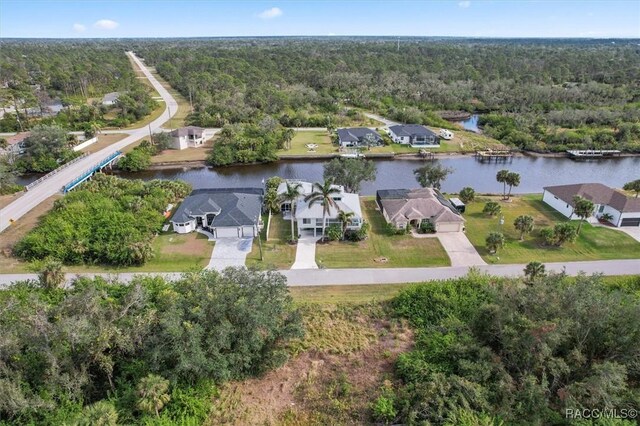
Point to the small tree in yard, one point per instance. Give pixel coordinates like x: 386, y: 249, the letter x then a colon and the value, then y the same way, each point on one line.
x: 524, y: 224
x: 494, y: 241
x: 501, y: 177
x: 634, y: 186
x: 467, y: 195
x: 153, y: 394
x: 583, y: 208
x: 534, y: 270
x: 559, y: 234
x: 344, y: 218
x: 322, y: 194
x: 512, y: 179
x: 334, y: 233
x: 290, y: 195
x: 492, y: 208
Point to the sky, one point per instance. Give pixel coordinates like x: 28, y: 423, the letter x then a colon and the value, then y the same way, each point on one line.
x: 211, y: 18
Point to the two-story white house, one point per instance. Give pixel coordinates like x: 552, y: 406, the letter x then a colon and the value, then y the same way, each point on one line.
x: 310, y: 218
x: 623, y: 210
x: 414, y: 135
x: 187, y: 137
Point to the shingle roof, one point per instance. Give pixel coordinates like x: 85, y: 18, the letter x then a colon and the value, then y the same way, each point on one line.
x: 231, y: 206
x: 418, y: 204
x: 189, y: 130
x: 598, y: 193
x: 411, y: 130
x: 355, y: 134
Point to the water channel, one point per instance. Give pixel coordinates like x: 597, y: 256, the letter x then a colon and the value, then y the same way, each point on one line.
x: 536, y: 172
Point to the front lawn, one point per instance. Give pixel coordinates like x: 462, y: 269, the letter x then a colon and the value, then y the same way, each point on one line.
x: 189, y: 154
x: 276, y: 251
x: 302, y: 138
x: 400, y: 251
x: 593, y: 243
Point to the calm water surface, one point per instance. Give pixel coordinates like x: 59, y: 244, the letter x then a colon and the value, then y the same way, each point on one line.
x: 535, y: 173
x: 471, y: 124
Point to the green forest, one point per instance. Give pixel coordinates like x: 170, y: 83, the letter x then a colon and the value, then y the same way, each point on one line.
x: 546, y: 95
x: 77, y: 74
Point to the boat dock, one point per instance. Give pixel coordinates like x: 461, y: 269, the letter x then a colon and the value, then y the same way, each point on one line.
x: 494, y: 155
x: 592, y: 153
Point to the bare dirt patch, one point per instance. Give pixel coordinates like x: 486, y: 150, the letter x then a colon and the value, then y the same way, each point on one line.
x: 5, y: 200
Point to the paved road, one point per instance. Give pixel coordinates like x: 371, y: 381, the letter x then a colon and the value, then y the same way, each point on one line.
x: 380, y: 118
x: 322, y: 277
x: 41, y: 192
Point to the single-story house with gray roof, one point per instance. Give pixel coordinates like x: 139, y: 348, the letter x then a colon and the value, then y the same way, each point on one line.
x: 224, y: 212
x: 414, y: 135
x: 413, y: 207
x: 624, y: 210
x: 358, y: 136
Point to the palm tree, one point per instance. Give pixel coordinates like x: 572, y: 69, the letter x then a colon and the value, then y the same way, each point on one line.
x: 101, y: 413
x: 534, y: 270
x: 51, y: 275
x: 512, y: 179
x: 344, y: 218
x: 502, y: 178
x: 152, y: 391
x: 494, y: 241
x: 524, y: 224
x: 583, y: 209
x: 322, y: 193
x: 291, y: 195
x: 491, y: 208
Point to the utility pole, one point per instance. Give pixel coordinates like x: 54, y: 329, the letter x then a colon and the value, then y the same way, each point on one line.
x: 150, y: 136
x: 398, y: 49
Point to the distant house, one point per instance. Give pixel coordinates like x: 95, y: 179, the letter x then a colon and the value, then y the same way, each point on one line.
x: 187, y: 137
x: 110, y: 98
x: 413, y: 207
x: 224, y: 212
x: 15, y: 145
x: 624, y: 210
x: 310, y: 218
x: 414, y: 135
x: 358, y: 136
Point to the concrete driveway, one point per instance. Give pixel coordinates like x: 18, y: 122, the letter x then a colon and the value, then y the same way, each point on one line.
x: 306, y: 253
x: 632, y: 231
x: 460, y: 250
x: 229, y: 252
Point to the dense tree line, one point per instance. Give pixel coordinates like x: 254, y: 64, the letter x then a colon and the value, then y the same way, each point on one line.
x: 249, y: 143
x: 515, y: 351
x: 150, y: 351
x: 108, y: 221
x: 78, y: 73
x: 45, y: 149
x: 544, y: 85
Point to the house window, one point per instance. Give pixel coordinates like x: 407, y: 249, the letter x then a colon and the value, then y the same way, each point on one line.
x: 306, y: 221
x: 601, y: 209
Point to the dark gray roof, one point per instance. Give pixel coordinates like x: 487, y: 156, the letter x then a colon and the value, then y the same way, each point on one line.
x: 231, y: 206
x: 111, y: 97
x: 411, y: 130
x: 356, y: 134
x: 392, y: 194
x: 598, y: 193
x: 189, y: 130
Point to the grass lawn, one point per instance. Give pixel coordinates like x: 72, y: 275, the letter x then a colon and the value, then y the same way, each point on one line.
x: 334, y: 294
x: 301, y: 138
x: 189, y: 154
x: 401, y: 251
x: 103, y: 142
x: 277, y: 253
x: 593, y: 243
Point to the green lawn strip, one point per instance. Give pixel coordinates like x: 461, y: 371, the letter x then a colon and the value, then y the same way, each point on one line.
x: 401, y: 251
x: 277, y: 252
x: 334, y: 294
x: 593, y: 243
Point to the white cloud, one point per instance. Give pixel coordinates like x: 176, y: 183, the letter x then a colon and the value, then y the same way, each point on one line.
x: 106, y: 24
x: 79, y: 28
x: 464, y: 4
x: 274, y: 12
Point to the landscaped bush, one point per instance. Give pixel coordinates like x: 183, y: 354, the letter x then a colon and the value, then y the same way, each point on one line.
x: 393, y: 230
x: 427, y: 228
x: 495, y: 349
x: 358, y: 234
x: 105, y: 350
x: 109, y: 221
x: 334, y: 233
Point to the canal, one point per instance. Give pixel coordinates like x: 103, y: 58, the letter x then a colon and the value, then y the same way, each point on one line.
x: 536, y: 172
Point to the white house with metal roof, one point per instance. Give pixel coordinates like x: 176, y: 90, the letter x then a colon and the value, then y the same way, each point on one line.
x: 310, y: 218
x: 224, y: 212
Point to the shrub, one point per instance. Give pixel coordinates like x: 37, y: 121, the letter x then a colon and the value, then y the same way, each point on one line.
x: 383, y: 410
x: 334, y: 233
x: 427, y: 228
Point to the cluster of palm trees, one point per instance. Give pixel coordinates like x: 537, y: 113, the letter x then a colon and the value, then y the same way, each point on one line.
x: 506, y: 177
x: 322, y: 193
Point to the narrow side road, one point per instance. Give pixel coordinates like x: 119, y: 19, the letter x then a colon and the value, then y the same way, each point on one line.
x: 322, y: 277
x: 41, y: 192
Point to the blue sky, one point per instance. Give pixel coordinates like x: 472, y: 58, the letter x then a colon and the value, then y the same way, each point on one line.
x: 154, y: 18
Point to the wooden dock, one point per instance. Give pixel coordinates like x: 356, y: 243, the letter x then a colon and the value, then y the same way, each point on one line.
x: 494, y: 155
x: 586, y: 154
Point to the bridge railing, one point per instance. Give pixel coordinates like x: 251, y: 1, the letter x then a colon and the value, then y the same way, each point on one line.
x: 87, y: 173
x: 54, y: 172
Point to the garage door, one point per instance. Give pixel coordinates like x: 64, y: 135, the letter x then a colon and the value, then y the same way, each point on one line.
x: 247, y: 231
x: 448, y: 227
x: 227, y: 232
x: 630, y: 221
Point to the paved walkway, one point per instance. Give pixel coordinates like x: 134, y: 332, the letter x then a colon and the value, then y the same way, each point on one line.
x: 321, y: 277
x: 229, y: 252
x: 459, y: 248
x: 306, y: 253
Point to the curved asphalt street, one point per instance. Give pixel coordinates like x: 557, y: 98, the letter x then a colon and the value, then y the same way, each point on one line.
x: 49, y: 187
x: 322, y: 277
